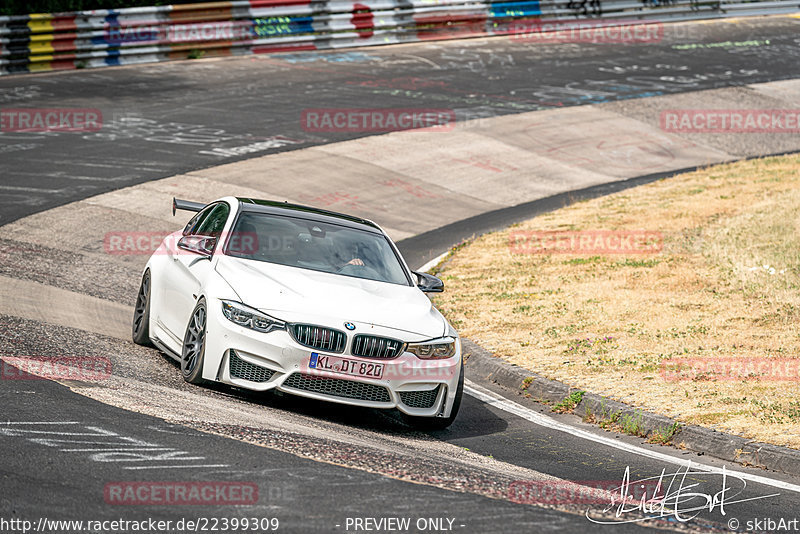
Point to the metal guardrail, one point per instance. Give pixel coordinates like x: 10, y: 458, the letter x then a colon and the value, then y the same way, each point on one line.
x: 88, y: 39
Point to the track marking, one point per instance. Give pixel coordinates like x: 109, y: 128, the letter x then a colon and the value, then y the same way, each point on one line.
x: 58, y: 432
x: 134, y: 449
x: 506, y: 405
x: 123, y: 450
x: 31, y: 189
x: 173, y: 466
x: 39, y: 422
x: 423, y: 59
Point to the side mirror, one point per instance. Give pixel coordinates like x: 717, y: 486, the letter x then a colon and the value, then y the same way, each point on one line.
x: 429, y: 283
x: 198, y: 244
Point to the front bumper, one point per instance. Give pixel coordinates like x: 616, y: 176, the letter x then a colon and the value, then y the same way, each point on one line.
x: 263, y: 361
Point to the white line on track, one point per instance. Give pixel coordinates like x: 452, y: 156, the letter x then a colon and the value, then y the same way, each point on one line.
x: 173, y: 466
x: 39, y: 422
x: 506, y: 405
x: 30, y: 189
x: 56, y: 432
x: 423, y: 59
x: 134, y: 449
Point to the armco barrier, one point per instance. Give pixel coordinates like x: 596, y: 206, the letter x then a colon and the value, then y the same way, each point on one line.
x: 87, y: 39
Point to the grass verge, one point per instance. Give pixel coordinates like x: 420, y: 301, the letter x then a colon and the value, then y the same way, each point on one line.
x: 703, y: 329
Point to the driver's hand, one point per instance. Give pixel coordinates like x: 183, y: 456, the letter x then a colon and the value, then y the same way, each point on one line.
x: 355, y: 261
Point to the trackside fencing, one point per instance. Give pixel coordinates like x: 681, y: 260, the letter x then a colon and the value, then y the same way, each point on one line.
x: 87, y: 39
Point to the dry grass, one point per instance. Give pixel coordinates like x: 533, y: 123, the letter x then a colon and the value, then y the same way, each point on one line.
x: 725, y: 286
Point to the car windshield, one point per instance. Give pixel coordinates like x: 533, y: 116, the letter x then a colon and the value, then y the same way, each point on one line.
x: 306, y: 244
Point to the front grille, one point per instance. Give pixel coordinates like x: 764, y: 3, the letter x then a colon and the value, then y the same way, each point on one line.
x: 248, y: 371
x: 338, y: 387
x: 376, y: 347
x: 419, y: 399
x: 319, y: 337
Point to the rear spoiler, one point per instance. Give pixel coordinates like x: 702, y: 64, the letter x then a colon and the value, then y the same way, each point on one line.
x: 187, y: 205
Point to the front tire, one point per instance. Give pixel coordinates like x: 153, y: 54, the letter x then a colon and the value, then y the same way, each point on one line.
x: 440, y: 423
x: 194, y: 346
x: 140, y: 327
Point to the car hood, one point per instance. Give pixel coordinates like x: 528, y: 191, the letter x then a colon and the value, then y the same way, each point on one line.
x: 302, y: 295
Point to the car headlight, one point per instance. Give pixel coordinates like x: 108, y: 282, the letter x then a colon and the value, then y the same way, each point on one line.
x: 436, y: 349
x: 248, y: 317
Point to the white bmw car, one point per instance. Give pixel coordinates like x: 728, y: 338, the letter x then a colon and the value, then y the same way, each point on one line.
x: 268, y: 295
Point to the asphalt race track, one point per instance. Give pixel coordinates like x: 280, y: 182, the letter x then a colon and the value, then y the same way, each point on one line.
x: 316, y: 465
x: 165, y: 119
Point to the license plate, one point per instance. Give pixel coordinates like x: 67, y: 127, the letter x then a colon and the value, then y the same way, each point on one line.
x: 345, y: 366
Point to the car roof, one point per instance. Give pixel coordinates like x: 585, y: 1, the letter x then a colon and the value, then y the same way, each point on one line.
x: 274, y: 207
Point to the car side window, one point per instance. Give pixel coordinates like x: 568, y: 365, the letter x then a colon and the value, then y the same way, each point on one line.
x: 198, y: 219
x: 215, y: 222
